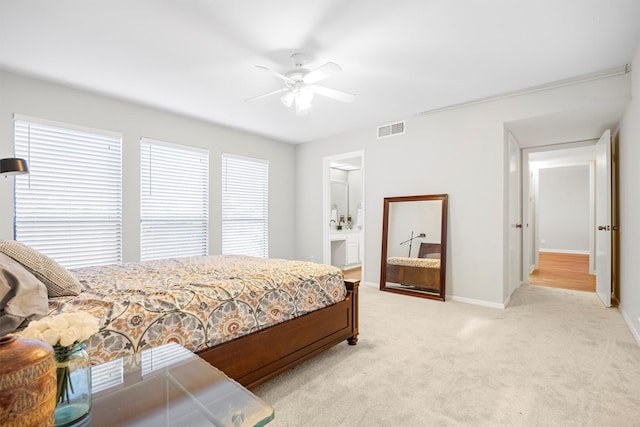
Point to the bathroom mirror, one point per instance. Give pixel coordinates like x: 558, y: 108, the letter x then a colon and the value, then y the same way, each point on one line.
x: 414, y: 245
x: 339, y: 201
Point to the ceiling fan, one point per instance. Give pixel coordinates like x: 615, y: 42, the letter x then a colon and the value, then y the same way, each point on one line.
x: 300, y: 85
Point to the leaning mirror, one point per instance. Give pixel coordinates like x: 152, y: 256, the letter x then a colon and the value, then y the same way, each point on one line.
x: 414, y: 245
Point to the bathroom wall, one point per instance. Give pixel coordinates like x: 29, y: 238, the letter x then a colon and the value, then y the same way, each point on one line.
x: 347, y: 203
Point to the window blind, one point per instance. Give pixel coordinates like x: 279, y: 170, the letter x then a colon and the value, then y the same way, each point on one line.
x: 245, y: 210
x: 69, y: 206
x: 174, y: 197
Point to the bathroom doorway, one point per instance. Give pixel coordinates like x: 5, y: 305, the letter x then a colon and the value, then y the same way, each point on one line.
x: 343, y: 213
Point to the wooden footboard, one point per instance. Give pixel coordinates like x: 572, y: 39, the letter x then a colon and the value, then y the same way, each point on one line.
x: 256, y: 358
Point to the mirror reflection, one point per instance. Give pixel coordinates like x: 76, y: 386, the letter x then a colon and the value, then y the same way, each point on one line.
x: 414, y: 245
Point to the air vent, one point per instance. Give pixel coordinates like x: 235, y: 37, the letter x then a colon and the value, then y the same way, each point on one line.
x: 391, y: 130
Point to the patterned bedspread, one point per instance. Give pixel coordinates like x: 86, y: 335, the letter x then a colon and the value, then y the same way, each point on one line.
x: 414, y: 262
x: 198, y: 302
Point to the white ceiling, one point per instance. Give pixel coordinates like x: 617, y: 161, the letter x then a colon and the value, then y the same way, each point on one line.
x: 399, y: 57
x: 567, y: 157
x: 567, y: 126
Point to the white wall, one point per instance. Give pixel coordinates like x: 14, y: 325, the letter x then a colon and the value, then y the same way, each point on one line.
x: 563, y: 209
x: 629, y: 164
x: 23, y: 95
x: 460, y: 152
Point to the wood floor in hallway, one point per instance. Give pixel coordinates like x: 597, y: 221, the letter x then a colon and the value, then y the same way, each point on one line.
x: 567, y: 271
x: 354, y: 273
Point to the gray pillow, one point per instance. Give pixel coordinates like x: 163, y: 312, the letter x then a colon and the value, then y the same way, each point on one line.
x: 22, y: 296
x: 57, y: 279
x: 431, y: 256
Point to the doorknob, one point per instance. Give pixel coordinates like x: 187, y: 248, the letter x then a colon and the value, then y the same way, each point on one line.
x: 518, y: 225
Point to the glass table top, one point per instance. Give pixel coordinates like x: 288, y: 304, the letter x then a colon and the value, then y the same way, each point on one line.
x: 171, y: 386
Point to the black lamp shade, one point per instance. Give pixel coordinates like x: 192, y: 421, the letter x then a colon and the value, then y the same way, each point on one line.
x: 13, y: 166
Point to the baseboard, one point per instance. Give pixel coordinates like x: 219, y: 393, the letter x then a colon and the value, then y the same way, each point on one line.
x: 476, y: 302
x: 507, y: 301
x: 564, y: 251
x: 454, y: 298
x: 629, y: 322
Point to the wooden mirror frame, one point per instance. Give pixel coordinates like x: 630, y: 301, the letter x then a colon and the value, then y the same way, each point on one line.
x: 426, y: 293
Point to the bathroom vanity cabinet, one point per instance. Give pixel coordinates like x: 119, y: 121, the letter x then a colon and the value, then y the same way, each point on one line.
x: 346, y: 248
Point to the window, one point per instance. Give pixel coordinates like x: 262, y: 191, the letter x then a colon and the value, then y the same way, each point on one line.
x: 245, y: 197
x: 174, y: 199
x: 69, y: 206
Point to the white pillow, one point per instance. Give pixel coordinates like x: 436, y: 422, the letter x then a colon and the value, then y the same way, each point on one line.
x: 57, y: 279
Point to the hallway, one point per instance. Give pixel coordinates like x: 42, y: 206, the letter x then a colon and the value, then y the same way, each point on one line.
x: 562, y: 270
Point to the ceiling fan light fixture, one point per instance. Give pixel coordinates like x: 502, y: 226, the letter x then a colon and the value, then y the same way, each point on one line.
x: 302, y: 109
x: 304, y: 98
x: 287, y: 99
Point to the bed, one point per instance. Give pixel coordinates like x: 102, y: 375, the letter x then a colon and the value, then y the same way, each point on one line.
x: 422, y: 272
x: 252, y: 318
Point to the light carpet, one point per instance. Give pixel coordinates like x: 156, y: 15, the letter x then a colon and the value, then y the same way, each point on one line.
x: 553, y: 357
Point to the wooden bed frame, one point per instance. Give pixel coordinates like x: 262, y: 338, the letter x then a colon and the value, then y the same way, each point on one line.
x: 256, y: 358
x: 426, y: 278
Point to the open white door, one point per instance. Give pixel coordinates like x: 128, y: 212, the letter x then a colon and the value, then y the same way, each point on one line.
x: 515, y: 217
x: 603, y: 218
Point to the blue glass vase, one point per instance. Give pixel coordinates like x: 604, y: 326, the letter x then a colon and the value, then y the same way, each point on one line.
x: 73, y: 374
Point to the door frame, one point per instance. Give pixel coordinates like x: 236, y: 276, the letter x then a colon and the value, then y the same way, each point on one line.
x: 326, y: 205
x: 530, y: 225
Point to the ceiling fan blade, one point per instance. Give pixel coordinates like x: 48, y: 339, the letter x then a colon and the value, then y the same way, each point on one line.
x: 266, y: 94
x: 321, y: 73
x: 335, y: 94
x: 275, y: 73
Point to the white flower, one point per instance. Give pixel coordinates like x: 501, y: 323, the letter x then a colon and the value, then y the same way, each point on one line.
x: 87, y: 331
x: 69, y: 336
x: 63, y: 330
x: 38, y: 325
x: 51, y: 336
x: 58, y: 322
x: 76, y: 320
x: 33, y: 334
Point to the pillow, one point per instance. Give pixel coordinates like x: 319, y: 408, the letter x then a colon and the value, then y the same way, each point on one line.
x: 431, y: 256
x: 57, y: 279
x: 22, y: 296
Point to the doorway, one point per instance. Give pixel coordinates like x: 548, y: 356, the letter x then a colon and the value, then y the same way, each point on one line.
x: 344, y: 213
x: 560, y: 205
